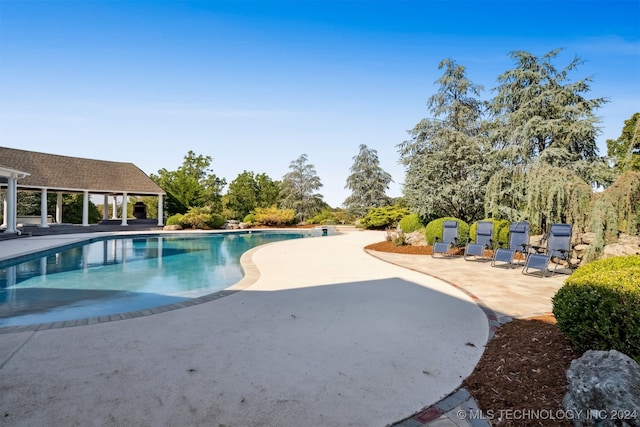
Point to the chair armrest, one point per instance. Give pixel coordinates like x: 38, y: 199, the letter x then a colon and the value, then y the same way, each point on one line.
x: 491, y: 244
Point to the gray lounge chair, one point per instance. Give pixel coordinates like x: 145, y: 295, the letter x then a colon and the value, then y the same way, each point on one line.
x: 518, y: 244
x: 483, y: 241
x: 449, y: 238
x: 558, y: 247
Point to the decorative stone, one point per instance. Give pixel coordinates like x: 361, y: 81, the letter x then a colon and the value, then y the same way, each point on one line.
x: 174, y: 227
x: 231, y: 224
x: 415, y: 239
x: 580, y: 248
x: 620, y: 248
x: 604, y: 390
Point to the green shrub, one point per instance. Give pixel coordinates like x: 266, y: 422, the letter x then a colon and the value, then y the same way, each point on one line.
x: 598, y: 307
x: 329, y: 216
x: 434, y: 229
x: 384, y: 217
x: 274, y: 216
x: 175, y: 219
x: 411, y: 223
x: 500, y: 231
x: 216, y: 221
x: 250, y: 219
x: 202, y: 218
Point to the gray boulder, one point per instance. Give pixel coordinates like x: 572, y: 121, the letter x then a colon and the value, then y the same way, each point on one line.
x: 604, y: 390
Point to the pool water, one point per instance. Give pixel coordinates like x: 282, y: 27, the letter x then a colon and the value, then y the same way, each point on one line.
x: 119, y: 275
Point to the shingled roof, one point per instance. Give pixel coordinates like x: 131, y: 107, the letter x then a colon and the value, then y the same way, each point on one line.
x: 77, y: 174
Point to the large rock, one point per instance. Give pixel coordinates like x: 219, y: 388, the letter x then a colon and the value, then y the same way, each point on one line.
x: 415, y: 239
x: 604, y: 390
x: 174, y: 227
x: 625, y: 245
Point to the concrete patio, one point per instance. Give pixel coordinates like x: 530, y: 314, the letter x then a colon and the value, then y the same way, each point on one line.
x: 322, y: 333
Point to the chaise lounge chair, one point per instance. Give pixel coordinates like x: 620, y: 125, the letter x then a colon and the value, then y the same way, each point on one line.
x: 449, y: 238
x: 558, y: 247
x: 483, y: 241
x: 518, y: 244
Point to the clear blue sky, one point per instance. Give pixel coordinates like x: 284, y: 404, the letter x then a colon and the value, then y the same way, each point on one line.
x: 255, y: 84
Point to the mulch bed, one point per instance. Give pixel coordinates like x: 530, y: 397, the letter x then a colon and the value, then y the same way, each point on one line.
x: 523, y: 370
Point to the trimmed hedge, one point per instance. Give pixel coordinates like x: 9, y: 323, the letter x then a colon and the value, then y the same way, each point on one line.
x: 598, y: 307
x: 410, y: 223
x: 202, y: 218
x: 383, y: 217
x: 250, y: 219
x: 434, y: 229
x: 175, y: 219
x: 274, y: 216
x: 500, y: 231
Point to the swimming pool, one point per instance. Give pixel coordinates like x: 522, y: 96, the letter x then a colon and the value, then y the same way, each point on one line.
x: 115, y: 275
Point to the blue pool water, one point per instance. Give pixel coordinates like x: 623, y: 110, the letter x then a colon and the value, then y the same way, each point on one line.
x: 119, y: 275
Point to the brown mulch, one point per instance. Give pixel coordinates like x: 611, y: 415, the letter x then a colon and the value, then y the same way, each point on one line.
x: 520, y: 379
x: 404, y: 249
x: 522, y: 373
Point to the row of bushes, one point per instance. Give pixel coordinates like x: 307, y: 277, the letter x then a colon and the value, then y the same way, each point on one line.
x: 204, y: 218
x: 433, y: 229
x: 271, y: 216
x: 201, y: 218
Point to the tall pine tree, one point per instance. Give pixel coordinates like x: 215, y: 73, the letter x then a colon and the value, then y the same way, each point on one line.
x: 368, y: 183
x: 298, y: 189
x: 446, y: 159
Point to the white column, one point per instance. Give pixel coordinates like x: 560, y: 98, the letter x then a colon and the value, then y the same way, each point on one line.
x: 160, y: 210
x: 115, y: 207
x: 4, y: 210
x: 43, y: 208
x: 59, y: 207
x: 12, y: 200
x: 85, y: 209
x: 124, y: 209
x: 105, y: 207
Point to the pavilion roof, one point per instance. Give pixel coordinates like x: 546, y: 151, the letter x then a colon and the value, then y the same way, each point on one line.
x: 66, y: 173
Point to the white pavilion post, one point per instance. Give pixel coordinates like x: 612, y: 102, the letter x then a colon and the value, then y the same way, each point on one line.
x: 105, y: 207
x: 43, y: 208
x: 124, y: 209
x: 115, y: 207
x: 4, y: 210
x: 59, y: 207
x: 85, y: 209
x: 160, y: 210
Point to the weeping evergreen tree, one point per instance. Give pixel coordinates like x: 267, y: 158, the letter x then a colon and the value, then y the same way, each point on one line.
x: 447, y: 159
x: 544, y: 132
x: 298, y: 188
x: 615, y: 210
x: 368, y: 183
x: 625, y: 151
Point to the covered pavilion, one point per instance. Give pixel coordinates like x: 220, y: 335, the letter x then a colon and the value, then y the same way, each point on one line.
x: 22, y: 170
